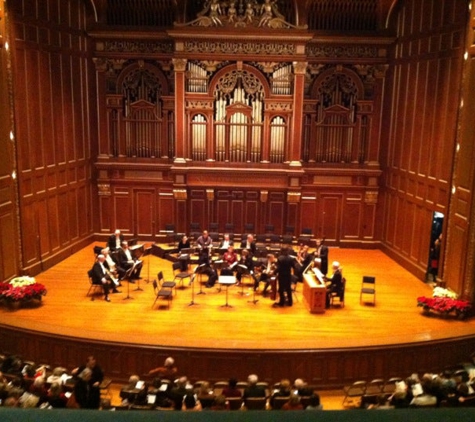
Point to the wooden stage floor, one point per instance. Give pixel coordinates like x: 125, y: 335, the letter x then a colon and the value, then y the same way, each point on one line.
x: 395, y: 319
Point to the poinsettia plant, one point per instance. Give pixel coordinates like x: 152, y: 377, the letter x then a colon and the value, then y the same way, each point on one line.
x: 445, y: 305
x: 22, y: 289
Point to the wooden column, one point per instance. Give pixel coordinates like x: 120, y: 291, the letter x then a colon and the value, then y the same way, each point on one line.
x: 104, y: 149
x: 297, y: 121
x: 179, y: 66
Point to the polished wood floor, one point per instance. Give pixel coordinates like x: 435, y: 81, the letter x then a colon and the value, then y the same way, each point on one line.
x: 394, y: 320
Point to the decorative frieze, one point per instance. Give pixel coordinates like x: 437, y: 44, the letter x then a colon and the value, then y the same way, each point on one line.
x: 234, y: 47
x: 342, y: 51
x: 199, y: 105
x: 142, y: 47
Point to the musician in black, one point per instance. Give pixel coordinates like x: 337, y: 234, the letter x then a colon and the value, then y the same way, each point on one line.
x: 268, y: 271
x: 100, y: 275
x: 322, y: 253
x: 334, y: 283
x: 245, y: 266
x: 285, y: 264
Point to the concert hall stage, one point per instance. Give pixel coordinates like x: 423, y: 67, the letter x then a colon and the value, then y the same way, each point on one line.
x: 209, y: 341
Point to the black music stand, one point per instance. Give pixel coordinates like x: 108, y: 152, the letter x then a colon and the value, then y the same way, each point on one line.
x: 254, y: 300
x: 199, y: 271
x: 128, y: 274
x: 192, y: 282
x: 148, y: 252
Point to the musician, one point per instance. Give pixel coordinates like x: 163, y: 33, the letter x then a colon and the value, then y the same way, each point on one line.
x: 115, y: 240
x: 245, y: 265
x: 230, y: 257
x: 334, y: 283
x: 184, y: 243
x: 100, y: 275
x: 285, y: 263
x: 116, y: 272
x: 304, y: 258
x: 204, y: 244
x: 226, y: 243
x: 322, y: 253
x: 249, y: 244
x: 127, y: 261
x: 268, y: 272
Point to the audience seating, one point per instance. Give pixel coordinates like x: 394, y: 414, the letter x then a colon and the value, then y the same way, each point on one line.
x: 255, y: 403
x: 278, y: 402
x: 234, y: 403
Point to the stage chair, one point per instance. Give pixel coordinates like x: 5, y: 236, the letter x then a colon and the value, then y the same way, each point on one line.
x: 339, y: 296
x: 104, y: 388
x: 354, y: 392
x: 249, y: 228
x: 214, y: 236
x: 165, y: 284
x: 275, y: 239
x: 195, y: 227
x: 161, y: 292
x: 93, y: 288
x: 261, y: 239
x: 170, y: 228
x: 307, y: 231
x: 368, y: 288
x: 390, y: 385
x: 179, y: 274
x: 255, y: 403
x: 229, y: 227
x: 213, y: 227
x: 289, y: 230
x: 374, y: 390
x: 287, y: 239
x: 269, y: 228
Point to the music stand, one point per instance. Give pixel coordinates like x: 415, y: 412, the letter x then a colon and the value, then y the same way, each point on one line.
x: 128, y: 274
x: 254, y: 300
x: 192, y: 282
x: 226, y: 280
x: 147, y: 252
x: 199, y: 271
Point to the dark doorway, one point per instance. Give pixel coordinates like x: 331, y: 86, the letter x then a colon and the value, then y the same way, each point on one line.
x: 435, y: 245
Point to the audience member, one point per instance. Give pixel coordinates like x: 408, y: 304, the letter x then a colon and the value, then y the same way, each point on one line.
x: 253, y: 390
x: 220, y: 403
x: 94, y: 381
x: 56, y: 397
x: 314, y: 403
x: 231, y: 390
x: 168, y: 371
x: 190, y: 401
x: 83, y: 393
x: 302, y: 389
x: 178, y: 392
x: 293, y: 403
x: 282, y: 391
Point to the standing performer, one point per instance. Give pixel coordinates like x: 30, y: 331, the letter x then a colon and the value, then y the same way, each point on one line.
x: 322, y: 253
x: 204, y: 244
x: 285, y: 263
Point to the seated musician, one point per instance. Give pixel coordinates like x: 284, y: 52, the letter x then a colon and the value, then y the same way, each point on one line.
x: 127, y: 261
x: 268, y: 272
x: 334, y: 283
x: 304, y: 258
x: 184, y: 243
x: 117, y: 273
x: 230, y: 257
x: 115, y: 240
x: 226, y: 243
x: 249, y: 244
x: 100, y: 275
x: 245, y: 265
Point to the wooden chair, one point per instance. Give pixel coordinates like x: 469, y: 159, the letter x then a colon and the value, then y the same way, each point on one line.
x: 161, y: 292
x: 219, y: 386
x: 374, y: 390
x: 234, y: 403
x: 279, y: 401
x: 368, y: 288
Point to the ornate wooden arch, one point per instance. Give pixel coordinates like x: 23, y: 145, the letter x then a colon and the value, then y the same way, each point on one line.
x: 338, y: 70
x: 155, y: 70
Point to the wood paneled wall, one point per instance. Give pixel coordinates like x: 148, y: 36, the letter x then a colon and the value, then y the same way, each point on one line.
x: 459, y: 265
x: 9, y: 246
x: 420, y: 125
x: 54, y: 113
x: 325, y: 368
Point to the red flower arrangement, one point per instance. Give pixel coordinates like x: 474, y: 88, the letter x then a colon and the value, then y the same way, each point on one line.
x: 11, y: 293
x: 445, y: 305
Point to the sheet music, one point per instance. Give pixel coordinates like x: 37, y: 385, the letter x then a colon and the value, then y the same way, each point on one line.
x: 318, y: 274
